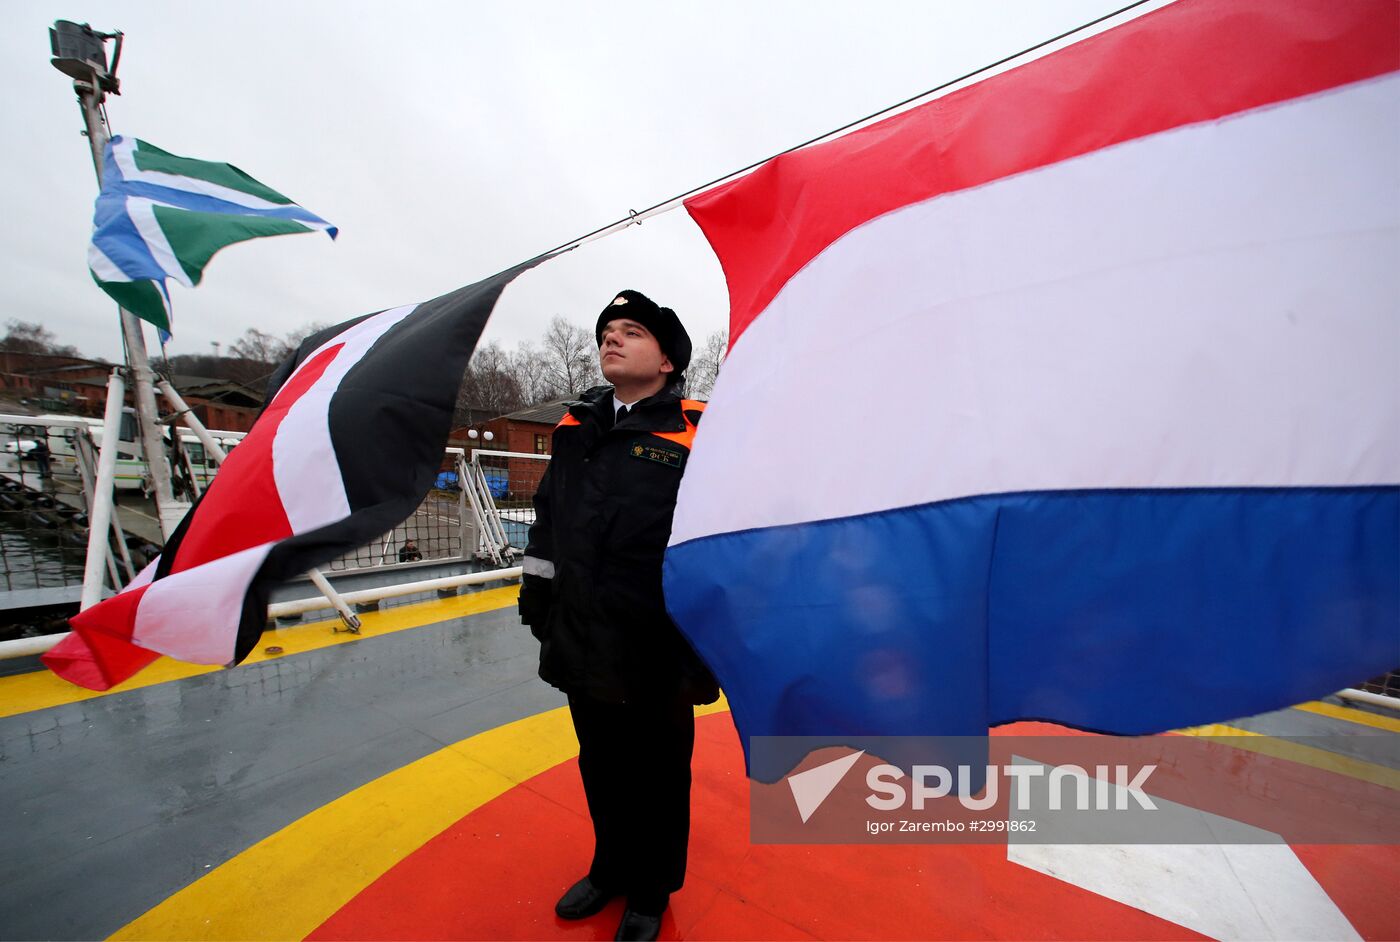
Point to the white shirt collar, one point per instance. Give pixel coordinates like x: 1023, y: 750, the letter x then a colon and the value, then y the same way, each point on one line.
x: 618, y: 404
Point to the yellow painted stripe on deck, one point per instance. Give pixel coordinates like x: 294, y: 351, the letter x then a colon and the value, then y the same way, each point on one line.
x: 41, y: 689
x: 286, y: 885
x: 1296, y: 752
x: 319, y: 863
x: 1389, y: 724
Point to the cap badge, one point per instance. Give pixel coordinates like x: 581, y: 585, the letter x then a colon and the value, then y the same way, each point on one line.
x: 619, y: 300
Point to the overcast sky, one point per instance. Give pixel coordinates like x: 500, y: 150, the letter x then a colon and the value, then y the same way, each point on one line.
x: 451, y: 140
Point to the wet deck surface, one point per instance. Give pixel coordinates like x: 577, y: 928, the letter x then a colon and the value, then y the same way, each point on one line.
x: 420, y: 782
x: 120, y: 800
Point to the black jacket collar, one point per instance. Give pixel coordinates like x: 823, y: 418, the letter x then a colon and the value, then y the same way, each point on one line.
x: 658, y: 413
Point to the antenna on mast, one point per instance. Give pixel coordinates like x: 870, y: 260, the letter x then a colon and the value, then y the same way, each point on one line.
x: 80, y: 53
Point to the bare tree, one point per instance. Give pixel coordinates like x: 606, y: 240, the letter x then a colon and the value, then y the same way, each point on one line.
x: 252, y: 373
x: 528, y: 366
x: 261, y: 347
x: 570, y: 357
x: 489, y: 383
x: 704, y: 366
x: 27, y: 337
x: 294, y: 338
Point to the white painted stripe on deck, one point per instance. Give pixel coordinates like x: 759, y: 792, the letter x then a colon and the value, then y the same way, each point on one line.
x: 1229, y: 891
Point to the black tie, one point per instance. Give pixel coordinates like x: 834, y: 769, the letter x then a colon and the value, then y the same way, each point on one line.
x: 621, y: 414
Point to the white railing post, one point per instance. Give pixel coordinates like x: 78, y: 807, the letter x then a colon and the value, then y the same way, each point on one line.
x: 86, y: 460
x: 100, y: 511
x: 342, y: 608
x: 488, y: 537
x: 85, y: 475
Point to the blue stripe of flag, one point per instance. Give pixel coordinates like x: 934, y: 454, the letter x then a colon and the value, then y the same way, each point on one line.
x: 203, y: 203
x: 118, y: 238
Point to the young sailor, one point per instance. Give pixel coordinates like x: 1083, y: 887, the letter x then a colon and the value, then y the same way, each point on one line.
x: 592, y: 596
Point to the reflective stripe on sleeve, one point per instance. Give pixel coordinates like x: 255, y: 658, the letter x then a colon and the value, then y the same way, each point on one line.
x: 534, y: 566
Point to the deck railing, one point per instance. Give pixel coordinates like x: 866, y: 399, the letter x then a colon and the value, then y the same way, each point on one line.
x: 499, y: 488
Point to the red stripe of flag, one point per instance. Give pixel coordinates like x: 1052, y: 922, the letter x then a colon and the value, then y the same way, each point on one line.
x: 94, y: 655
x: 243, y: 507
x: 1193, y: 61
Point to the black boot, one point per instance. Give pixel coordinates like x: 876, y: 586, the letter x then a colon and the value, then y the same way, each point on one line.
x: 582, y: 900
x: 638, y: 927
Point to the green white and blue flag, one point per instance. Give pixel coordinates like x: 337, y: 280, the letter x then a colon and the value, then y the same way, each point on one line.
x: 161, y: 216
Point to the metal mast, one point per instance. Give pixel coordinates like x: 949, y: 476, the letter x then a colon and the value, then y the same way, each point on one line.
x: 80, y: 53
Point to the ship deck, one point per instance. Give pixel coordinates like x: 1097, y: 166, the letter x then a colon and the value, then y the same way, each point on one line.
x: 419, y: 782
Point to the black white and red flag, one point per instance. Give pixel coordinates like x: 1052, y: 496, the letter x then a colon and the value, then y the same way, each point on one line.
x: 347, y: 446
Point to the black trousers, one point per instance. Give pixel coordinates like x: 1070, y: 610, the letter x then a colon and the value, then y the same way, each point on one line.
x: 635, y: 763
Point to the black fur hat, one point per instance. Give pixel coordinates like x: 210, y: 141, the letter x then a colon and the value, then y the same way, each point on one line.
x: 663, y: 323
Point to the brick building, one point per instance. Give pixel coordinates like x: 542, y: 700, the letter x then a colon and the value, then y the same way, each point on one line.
x: 526, y: 431
x: 220, y: 403
x: 529, y: 430
x: 53, y: 383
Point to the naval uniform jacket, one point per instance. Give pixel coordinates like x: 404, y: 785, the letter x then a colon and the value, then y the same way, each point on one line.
x: 592, y: 587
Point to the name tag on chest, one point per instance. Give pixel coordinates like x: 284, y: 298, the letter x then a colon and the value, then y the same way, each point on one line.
x: 659, y: 454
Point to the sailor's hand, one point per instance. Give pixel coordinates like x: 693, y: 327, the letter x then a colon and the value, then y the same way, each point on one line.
x: 534, y: 602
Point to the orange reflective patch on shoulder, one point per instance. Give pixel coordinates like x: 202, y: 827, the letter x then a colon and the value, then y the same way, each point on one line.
x: 688, y: 436
x: 692, y: 409
x: 680, y: 438
x: 568, y: 419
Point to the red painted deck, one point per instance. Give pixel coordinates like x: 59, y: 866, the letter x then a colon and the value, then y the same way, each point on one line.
x: 496, y: 874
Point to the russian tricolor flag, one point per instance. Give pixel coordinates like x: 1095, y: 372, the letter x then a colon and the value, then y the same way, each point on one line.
x: 1072, y: 395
